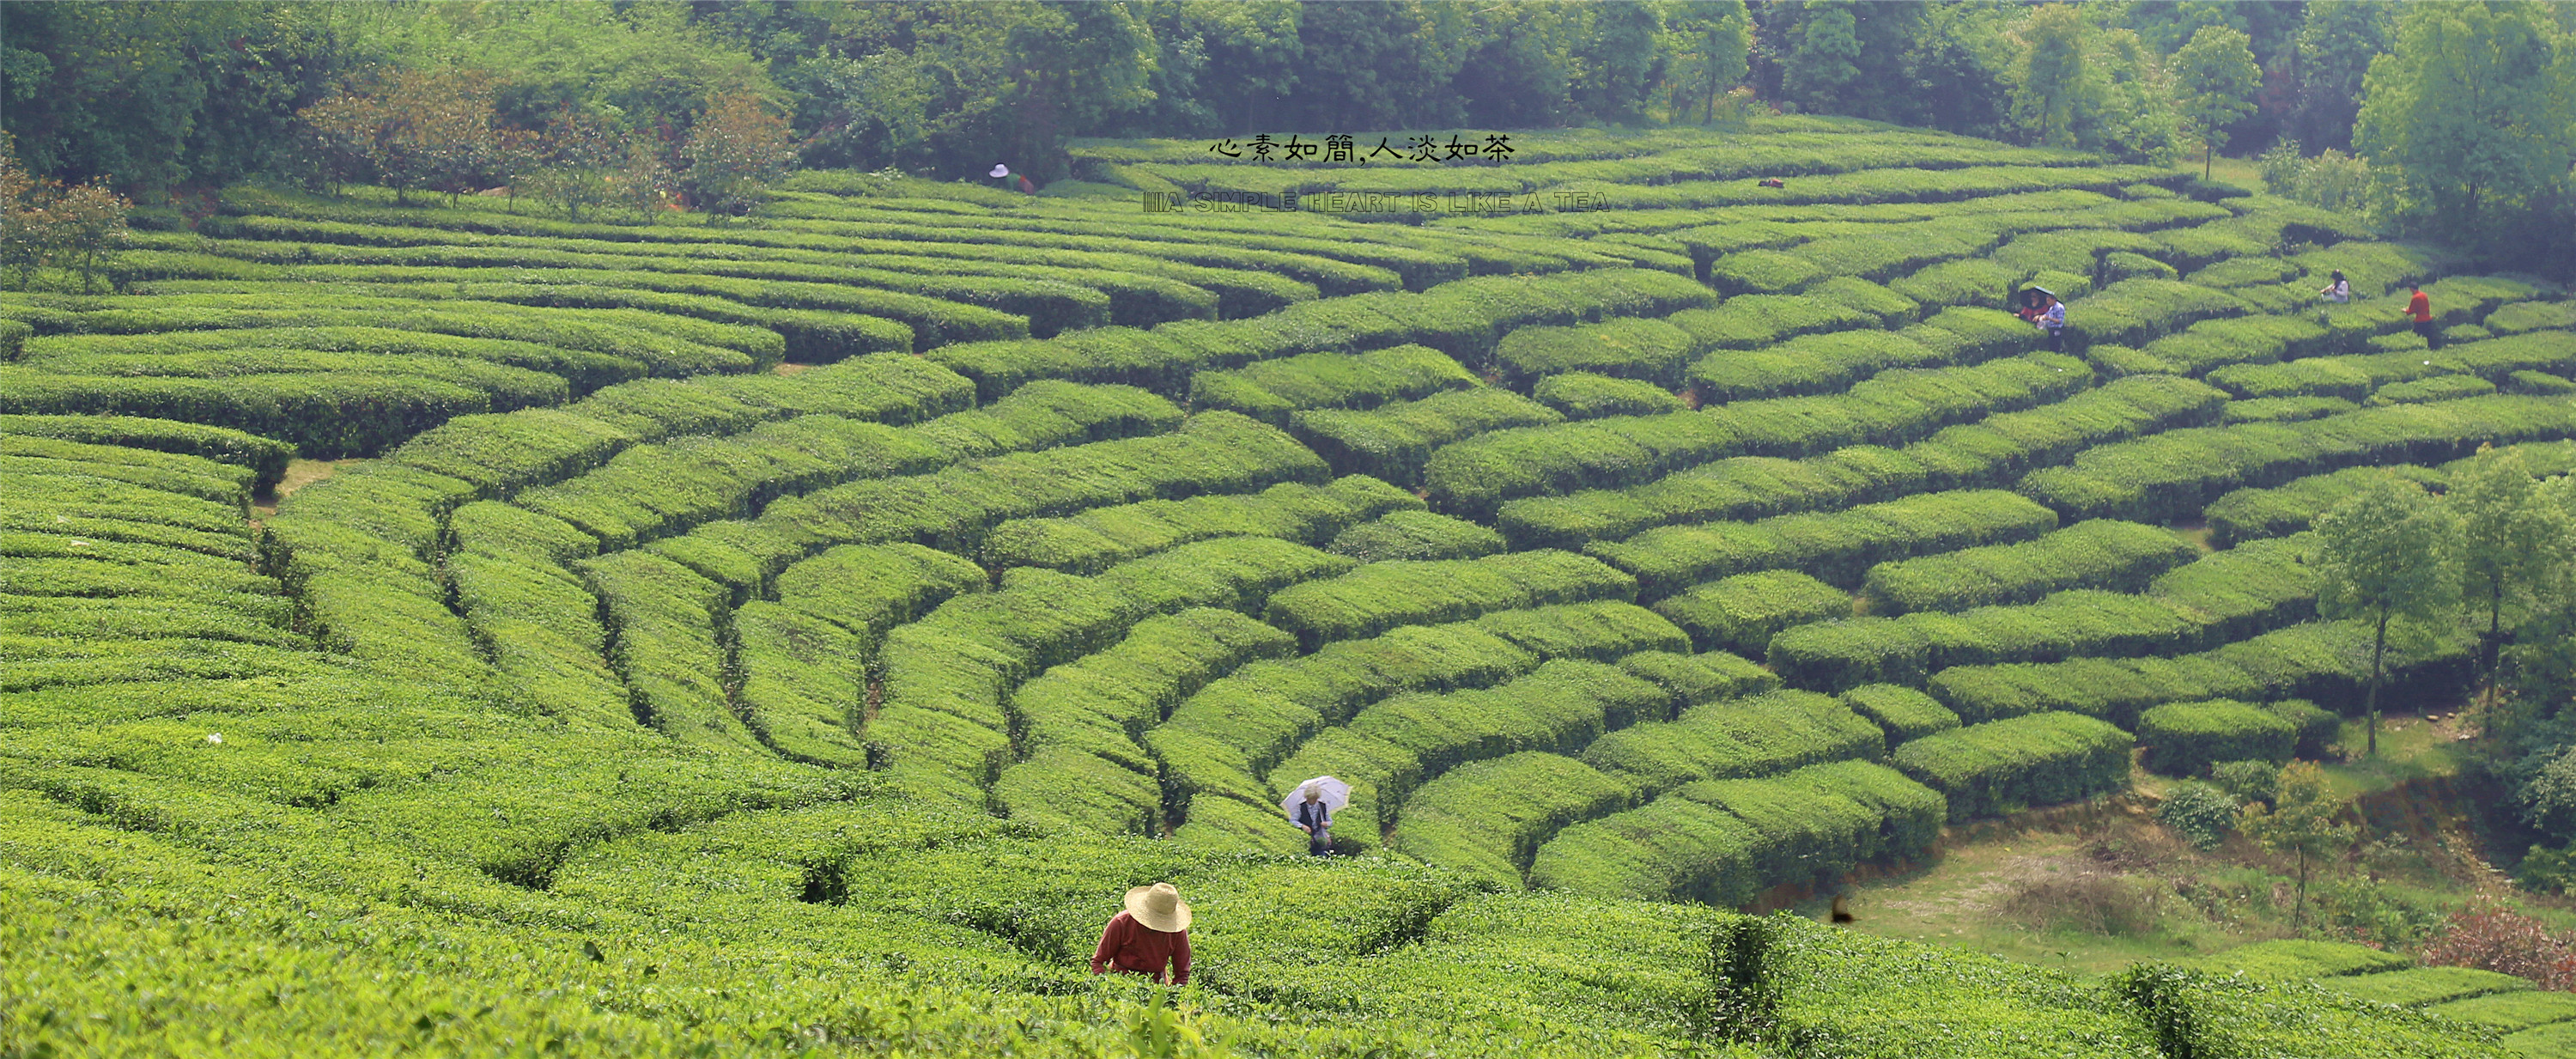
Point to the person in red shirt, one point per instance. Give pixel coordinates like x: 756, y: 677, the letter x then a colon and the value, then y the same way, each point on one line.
x: 2420, y: 309
x: 1154, y: 932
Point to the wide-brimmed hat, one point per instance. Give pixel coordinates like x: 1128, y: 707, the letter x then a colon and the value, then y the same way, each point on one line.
x: 1158, y: 907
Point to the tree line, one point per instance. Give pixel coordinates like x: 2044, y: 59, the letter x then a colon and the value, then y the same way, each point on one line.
x: 2449, y: 118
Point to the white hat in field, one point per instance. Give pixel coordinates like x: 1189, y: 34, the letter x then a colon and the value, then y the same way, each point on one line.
x: 999, y: 171
x: 1332, y: 792
x: 1158, y: 907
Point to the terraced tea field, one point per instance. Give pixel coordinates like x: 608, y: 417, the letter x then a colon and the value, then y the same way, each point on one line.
x: 1706, y: 539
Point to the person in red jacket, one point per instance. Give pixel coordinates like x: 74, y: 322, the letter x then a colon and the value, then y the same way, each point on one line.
x: 2419, y: 308
x: 1152, y: 934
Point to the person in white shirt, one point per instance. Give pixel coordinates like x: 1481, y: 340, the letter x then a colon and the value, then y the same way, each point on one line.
x: 2338, y: 291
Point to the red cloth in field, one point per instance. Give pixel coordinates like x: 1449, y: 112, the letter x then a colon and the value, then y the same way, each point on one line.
x: 1135, y: 948
x: 2419, y: 306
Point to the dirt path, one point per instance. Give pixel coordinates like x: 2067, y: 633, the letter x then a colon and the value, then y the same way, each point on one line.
x: 299, y: 473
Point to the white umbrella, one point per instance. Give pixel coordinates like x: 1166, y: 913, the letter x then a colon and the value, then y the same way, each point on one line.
x: 1336, y: 794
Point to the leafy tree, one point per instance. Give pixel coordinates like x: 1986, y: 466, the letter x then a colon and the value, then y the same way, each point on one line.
x: 2541, y: 662
x: 1955, y: 69
x: 1519, y: 67
x: 2337, y: 39
x: 2214, y: 79
x: 2510, y: 541
x: 2469, y: 114
x: 1615, y: 60
x: 2491, y: 937
x: 2203, y: 814
x: 2300, y: 823
x: 43, y: 223
x: 1379, y: 65
x: 1840, y: 56
x: 2050, y: 88
x: 734, y: 149
x: 1705, y: 43
x: 2384, y: 555
x: 428, y: 129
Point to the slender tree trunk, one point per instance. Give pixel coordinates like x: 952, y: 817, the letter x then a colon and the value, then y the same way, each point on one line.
x: 2208, y: 156
x: 2370, y: 699
x: 2493, y: 646
x: 2299, y: 911
x: 1708, y: 107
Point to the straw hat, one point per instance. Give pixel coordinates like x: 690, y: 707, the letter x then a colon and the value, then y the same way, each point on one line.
x: 1158, y: 907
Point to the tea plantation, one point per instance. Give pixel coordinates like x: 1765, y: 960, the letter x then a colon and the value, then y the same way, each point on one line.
x: 792, y: 634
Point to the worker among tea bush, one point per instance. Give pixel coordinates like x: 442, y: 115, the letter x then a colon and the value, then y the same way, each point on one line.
x: 2340, y: 290
x: 2419, y: 309
x: 1151, y: 935
x: 2052, y: 319
x: 1311, y: 807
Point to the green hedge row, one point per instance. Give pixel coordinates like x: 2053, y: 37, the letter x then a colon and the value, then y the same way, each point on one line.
x: 1836, y: 547
x: 1900, y: 405
x: 1472, y: 477
x: 665, y: 345
x: 943, y: 723
x: 1242, y: 277
x: 1645, y: 350
x: 2437, y: 388
x: 2171, y: 476
x: 2133, y: 312
x: 2185, y: 738
x: 1219, y: 744
x: 1722, y: 842
x: 1742, y: 613
x: 502, y: 454
x: 2316, y: 661
x: 1836, y: 655
x: 1583, y: 395
x: 1487, y: 820
x: 1383, y: 595
x: 584, y: 370
x: 1904, y: 713
x: 2226, y: 345
x: 1971, y: 281
x: 2357, y: 377
x: 326, y: 415
x: 1478, y: 477
x: 1394, y: 442
x: 2283, y: 409
x: 1977, y: 453
x: 2254, y: 514
x: 1462, y: 319
x: 1079, y: 722
x: 2076, y: 252
x: 1093, y: 540
x: 668, y: 629
x: 1392, y: 747
x: 2001, y: 767
x: 659, y: 489
x: 266, y: 457
x: 1693, y: 679
x: 1752, y: 321
x: 2510, y: 320
x: 2102, y: 553
x: 1271, y: 390
x: 2224, y: 596
x: 1735, y: 738
x: 1416, y: 535
x: 954, y: 508
x: 535, y: 618
x: 1807, y: 364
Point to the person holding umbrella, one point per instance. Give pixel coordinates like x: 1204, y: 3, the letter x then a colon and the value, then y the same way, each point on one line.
x: 2052, y: 318
x: 1153, y: 934
x: 1311, y: 809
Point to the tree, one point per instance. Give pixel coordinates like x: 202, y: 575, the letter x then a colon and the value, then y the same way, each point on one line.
x: 2383, y: 555
x: 43, y: 223
x: 734, y: 150
x: 2300, y: 823
x: 2049, y: 86
x: 2540, y: 664
x: 2214, y: 80
x: 2510, y: 541
x: 2470, y: 115
x: 428, y: 129
x: 2337, y: 40
x: 1615, y: 62
x: 1705, y: 43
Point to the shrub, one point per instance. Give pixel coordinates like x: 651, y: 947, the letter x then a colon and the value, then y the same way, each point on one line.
x: 1094, y: 540
x: 1835, y: 548
x: 1394, y: 442
x: 2003, y: 766
x: 1733, y: 738
x: 2185, y: 738
x: 1271, y: 390
x: 1416, y: 536
x: 1582, y: 395
x: 2103, y: 554
x: 1487, y: 820
x: 1904, y: 713
x: 1741, y: 613
x: 1807, y: 364
x: 1383, y: 595
x: 1645, y: 350
x: 2248, y: 781
x: 266, y: 457
x: 1474, y: 476
x: 2253, y: 514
